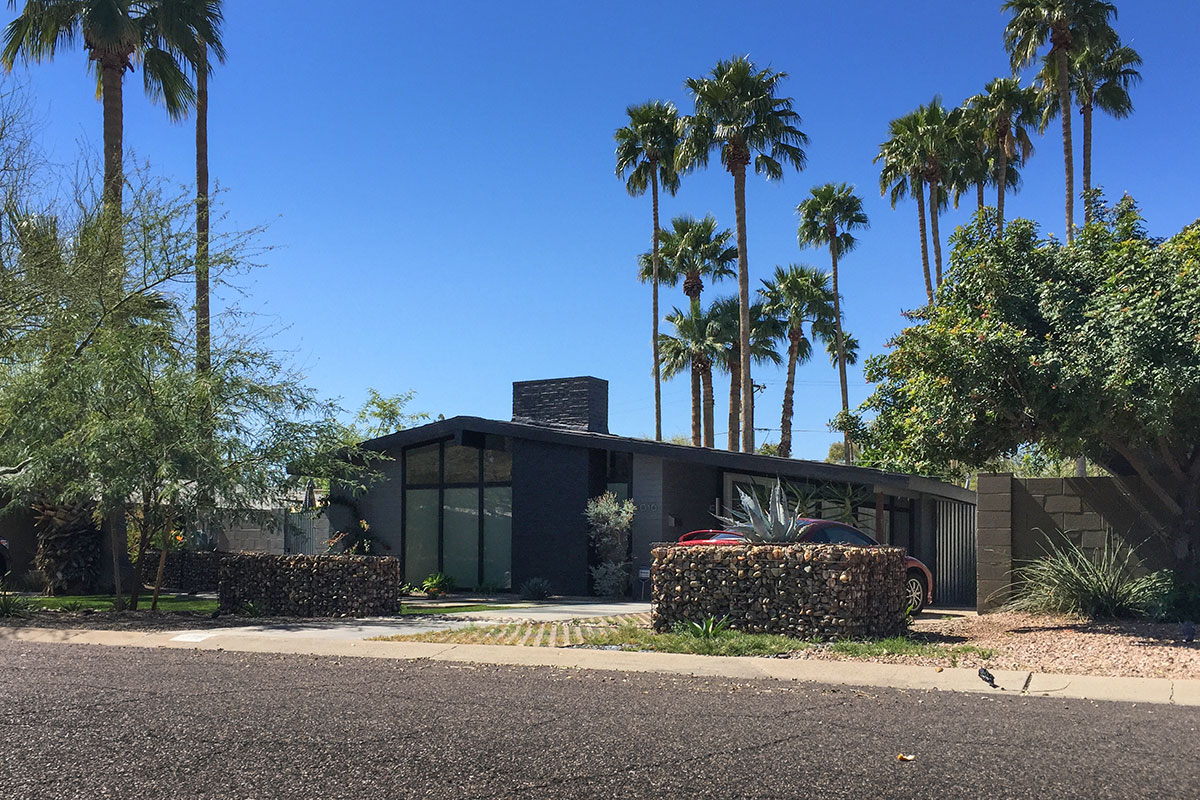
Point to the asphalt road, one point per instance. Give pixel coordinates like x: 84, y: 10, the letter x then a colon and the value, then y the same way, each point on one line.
x: 86, y: 721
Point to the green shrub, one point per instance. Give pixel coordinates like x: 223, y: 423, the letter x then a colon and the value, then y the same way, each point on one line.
x: 610, y: 579
x: 1101, y: 583
x: 14, y: 605
x: 1180, y: 603
x: 708, y: 628
x: 406, y: 589
x: 437, y: 584
x: 610, y: 521
x: 535, y: 589
x: 776, y: 523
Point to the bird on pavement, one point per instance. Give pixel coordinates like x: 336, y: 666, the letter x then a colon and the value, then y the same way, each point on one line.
x: 987, y: 678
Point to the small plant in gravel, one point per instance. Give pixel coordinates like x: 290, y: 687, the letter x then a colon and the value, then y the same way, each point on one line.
x: 708, y: 628
x: 438, y: 584
x: 1104, y: 583
x: 535, y: 589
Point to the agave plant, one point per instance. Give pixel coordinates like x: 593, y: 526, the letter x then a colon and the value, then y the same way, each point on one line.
x: 776, y: 523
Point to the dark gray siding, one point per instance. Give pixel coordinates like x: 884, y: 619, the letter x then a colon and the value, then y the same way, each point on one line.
x: 689, y: 491
x: 550, y: 491
x: 382, y: 508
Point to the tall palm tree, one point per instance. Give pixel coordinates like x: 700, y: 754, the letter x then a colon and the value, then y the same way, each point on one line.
x: 766, y: 329
x: 937, y: 130
x: 692, y: 250
x: 1009, y: 112
x: 1068, y: 25
x: 739, y: 114
x: 696, y: 346
x: 903, y: 174
x: 1101, y: 77
x: 646, y: 152
x: 116, y: 34
x: 801, y: 297
x: 827, y: 218
x: 972, y: 158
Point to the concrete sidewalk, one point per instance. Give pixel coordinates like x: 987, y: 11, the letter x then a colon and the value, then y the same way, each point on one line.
x: 847, y: 673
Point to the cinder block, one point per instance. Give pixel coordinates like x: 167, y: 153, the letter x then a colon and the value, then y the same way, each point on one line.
x: 1087, y: 521
x: 1063, y: 504
x: 991, y: 594
x: 993, y: 537
x: 993, y: 501
x: 992, y: 519
x: 1094, y: 540
x: 1043, y: 486
x: 994, y: 483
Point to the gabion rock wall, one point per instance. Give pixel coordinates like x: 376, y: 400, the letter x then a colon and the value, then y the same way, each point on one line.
x: 803, y: 590
x: 185, y: 570
x: 310, y: 586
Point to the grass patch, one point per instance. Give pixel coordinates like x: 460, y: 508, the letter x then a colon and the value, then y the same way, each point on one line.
x: 725, y: 643
x: 904, y: 646
x: 104, y: 602
x: 409, y: 608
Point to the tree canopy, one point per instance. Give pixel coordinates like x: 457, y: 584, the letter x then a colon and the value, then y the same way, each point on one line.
x: 1086, y: 349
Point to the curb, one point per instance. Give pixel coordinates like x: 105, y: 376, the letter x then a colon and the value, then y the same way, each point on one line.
x: 840, y: 673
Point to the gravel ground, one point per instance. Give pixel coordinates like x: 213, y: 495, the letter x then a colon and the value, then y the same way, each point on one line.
x: 1056, y: 644
x: 80, y: 721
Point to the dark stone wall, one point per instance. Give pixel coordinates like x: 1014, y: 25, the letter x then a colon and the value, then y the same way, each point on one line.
x: 310, y: 586
x: 579, y: 403
x: 550, y: 487
x: 185, y: 570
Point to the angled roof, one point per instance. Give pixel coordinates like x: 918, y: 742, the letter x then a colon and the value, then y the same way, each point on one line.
x: 724, y: 459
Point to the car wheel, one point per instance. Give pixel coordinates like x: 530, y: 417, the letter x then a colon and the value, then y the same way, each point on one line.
x: 915, y: 592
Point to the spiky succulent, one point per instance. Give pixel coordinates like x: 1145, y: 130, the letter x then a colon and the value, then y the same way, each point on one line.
x: 776, y: 523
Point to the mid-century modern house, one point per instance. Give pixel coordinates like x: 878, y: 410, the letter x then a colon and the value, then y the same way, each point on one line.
x: 494, y: 503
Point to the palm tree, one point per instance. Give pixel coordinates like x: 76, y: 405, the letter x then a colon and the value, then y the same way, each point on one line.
x: 691, y: 250
x: 1101, y: 77
x: 694, y: 347
x: 1068, y: 25
x: 937, y: 131
x: 1009, y: 111
x: 116, y: 34
x: 646, y: 151
x: 739, y: 114
x: 765, y: 330
x: 827, y: 218
x: 903, y: 173
x: 801, y: 296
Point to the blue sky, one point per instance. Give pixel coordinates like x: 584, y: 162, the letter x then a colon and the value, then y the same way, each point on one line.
x: 438, y: 178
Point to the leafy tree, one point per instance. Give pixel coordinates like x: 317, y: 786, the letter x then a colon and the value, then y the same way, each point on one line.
x: 1008, y: 111
x: 801, y: 297
x: 827, y: 219
x: 383, y: 414
x: 694, y: 347
x: 1088, y: 348
x: 739, y: 114
x: 646, y: 153
x: 1068, y: 25
x: 1101, y: 77
x: 766, y: 329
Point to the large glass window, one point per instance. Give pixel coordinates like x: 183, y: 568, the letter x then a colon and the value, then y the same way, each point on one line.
x: 420, y: 534
x: 446, y: 485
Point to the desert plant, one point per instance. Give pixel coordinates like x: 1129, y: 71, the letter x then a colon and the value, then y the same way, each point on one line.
x: 72, y: 607
x: 535, y: 589
x: 14, y: 605
x: 437, y: 584
x: 1102, y: 583
x: 610, y: 579
x: 708, y: 628
x: 611, y: 521
x: 776, y: 523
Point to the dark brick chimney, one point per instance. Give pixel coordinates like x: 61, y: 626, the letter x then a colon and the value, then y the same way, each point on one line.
x: 577, y: 403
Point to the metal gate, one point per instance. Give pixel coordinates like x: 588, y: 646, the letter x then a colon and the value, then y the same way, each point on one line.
x: 299, y: 534
x: 954, y: 573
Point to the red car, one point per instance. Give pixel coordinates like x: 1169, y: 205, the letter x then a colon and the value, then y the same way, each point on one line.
x: 918, y: 584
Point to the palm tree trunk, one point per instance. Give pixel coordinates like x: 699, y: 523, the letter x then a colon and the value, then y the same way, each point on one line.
x: 695, y: 406
x: 739, y: 203
x: 841, y: 341
x: 979, y: 195
x: 735, y: 398
x: 112, y: 70
x: 785, y: 421
x: 654, y: 305
x: 203, y: 327
x: 920, y: 193
x: 933, y: 230
x: 1001, y: 187
x: 706, y: 377
x: 1064, y: 100
x: 1087, y: 164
